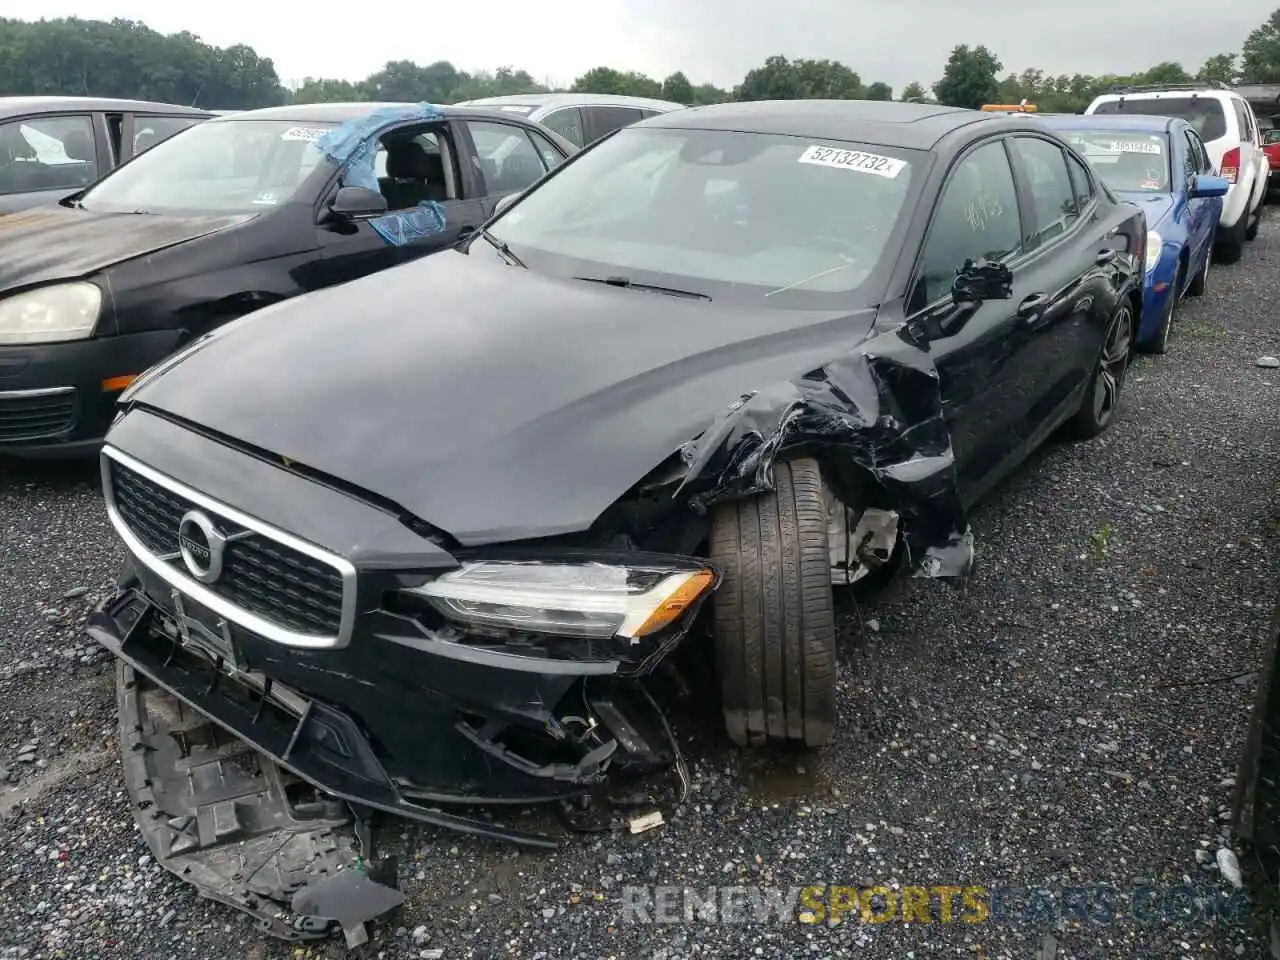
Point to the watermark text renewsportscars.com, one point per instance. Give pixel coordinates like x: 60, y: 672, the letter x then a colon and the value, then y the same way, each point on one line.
x: 1100, y: 904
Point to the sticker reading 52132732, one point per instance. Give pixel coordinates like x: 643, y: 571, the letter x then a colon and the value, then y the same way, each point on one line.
x: 853, y: 160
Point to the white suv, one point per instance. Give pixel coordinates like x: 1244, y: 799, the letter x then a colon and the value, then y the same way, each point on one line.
x: 1226, y: 124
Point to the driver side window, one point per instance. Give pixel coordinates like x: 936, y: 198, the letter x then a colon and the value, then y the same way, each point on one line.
x: 976, y: 217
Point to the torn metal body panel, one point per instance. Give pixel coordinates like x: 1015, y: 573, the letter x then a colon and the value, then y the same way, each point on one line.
x: 223, y: 817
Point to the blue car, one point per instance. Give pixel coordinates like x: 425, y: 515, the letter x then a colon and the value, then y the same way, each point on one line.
x: 1159, y: 164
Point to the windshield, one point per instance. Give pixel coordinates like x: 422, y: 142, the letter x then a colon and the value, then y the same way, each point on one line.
x: 1127, y: 162
x: 720, y: 214
x: 1203, y: 113
x: 217, y: 167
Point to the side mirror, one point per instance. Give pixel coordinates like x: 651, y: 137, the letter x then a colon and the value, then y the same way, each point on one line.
x: 505, y: 202
x: 1204, y: 186
x: 358, y: 203
x: 979, y: 281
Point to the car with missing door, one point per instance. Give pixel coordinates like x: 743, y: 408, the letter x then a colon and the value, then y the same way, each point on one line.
x: 706, y: 372
x: 53, y: 146
x: 226, y: 217
x: 580, y: 118
x: 1225, y: 123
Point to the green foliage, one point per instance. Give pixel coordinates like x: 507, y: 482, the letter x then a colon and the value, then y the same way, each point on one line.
x: 969, y: 79
x: 124, y: 58
x: 608, y: 80
x: 914, y: 91
x: 783, y: 79
x: 1260, y: 58
x: 677, y: 89
x: 1220, y: 67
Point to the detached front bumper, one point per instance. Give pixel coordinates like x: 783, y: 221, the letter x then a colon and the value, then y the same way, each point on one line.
x: 333, y: 748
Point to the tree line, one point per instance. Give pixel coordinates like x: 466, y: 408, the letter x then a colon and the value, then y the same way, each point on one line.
x: 124, y: 58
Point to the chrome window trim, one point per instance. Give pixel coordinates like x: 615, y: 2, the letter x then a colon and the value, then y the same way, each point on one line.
x: 202, y: 594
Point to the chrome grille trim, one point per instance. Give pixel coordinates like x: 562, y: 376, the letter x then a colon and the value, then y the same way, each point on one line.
x: 202, y: 594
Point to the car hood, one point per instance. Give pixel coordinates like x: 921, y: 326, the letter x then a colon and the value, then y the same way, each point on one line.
x: 1156, y: 206
x: 61, y: 243
x: 490, y: 401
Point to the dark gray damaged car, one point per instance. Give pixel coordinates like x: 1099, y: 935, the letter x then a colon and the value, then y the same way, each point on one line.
x: 417, y: 541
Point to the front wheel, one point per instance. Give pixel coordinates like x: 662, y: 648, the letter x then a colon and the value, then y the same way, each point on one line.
x: 1160, y: 342
x: 774, y: 614
x: 1102, y: 398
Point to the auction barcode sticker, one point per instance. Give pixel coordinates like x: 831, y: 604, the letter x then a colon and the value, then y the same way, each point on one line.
x: 1135, y: 146
x: 853, y: 160
x: 306, y: 134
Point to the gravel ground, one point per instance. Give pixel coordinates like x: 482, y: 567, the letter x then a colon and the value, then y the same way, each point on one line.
x: 1073, y: 719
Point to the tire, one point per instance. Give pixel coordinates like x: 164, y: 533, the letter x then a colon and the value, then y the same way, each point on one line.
x: 1230, y: 245
x: 774, y: 614
x: 1107, y: 382
x: 1160, y: 342
x: 1200, y: 284
x: 1251, y: 232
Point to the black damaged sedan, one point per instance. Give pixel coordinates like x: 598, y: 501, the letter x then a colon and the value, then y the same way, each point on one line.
x: 421, y: 537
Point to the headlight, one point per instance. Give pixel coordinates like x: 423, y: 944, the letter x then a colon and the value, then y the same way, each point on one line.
x: 66, y: 311
x: 597, y: 600
x: 1155, y: 246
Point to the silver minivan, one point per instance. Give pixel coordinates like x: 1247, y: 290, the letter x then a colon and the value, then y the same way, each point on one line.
x: 580, y: 118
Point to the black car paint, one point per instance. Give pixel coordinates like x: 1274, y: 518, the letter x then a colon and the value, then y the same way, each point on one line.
x: 175, y: 278
x: 525, y: 405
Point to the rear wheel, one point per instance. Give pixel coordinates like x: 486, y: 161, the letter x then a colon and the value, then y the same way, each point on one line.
x: 1251, y: 232
x: 774, y: 615
x: 1230, y: 243
x: 1102, y: 398
x: 1201, y: 282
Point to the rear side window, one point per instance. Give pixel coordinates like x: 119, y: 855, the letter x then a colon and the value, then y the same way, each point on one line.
x: 1203, y: 113
x: 1051, y: 187
x: 1244, y: 119
x: 1080, y: 182
x: 603, y: 120
x: 567, y: 123
x: 148, y: 131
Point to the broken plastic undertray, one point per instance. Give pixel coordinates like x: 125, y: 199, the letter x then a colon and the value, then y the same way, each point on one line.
x: 226, y: 819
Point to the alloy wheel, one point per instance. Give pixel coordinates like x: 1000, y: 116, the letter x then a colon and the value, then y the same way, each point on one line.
x: 1112, y: 365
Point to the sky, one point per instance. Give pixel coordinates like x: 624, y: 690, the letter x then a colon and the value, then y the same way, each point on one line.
x: 715, y: 41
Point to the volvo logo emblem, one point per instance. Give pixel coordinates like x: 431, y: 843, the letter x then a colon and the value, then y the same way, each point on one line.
x: 201, y: 546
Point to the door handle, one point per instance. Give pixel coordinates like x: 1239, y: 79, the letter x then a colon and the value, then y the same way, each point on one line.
x: 1033, y: 307
x: 1105, y: 257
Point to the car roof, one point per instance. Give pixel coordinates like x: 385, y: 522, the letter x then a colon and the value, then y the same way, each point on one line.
x: 915, y: 126
x: 342, y: 112
x: 22, y: 106
x: 573, y: 100
x: 1136, y: 122
x: 1174, y: 93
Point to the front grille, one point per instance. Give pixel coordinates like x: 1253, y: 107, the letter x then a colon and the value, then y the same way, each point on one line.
x: 260, y: 575
x: 33, y: 414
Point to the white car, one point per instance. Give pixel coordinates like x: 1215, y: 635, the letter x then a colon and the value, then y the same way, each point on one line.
x: 580, y: 118
x: 1226, y: 124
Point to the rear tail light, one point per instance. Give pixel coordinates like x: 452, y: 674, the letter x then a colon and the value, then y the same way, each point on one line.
x: 1231, y: 164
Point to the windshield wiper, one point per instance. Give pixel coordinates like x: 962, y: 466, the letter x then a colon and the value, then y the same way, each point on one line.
x: 504, y: 251
x: 628, y: 284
